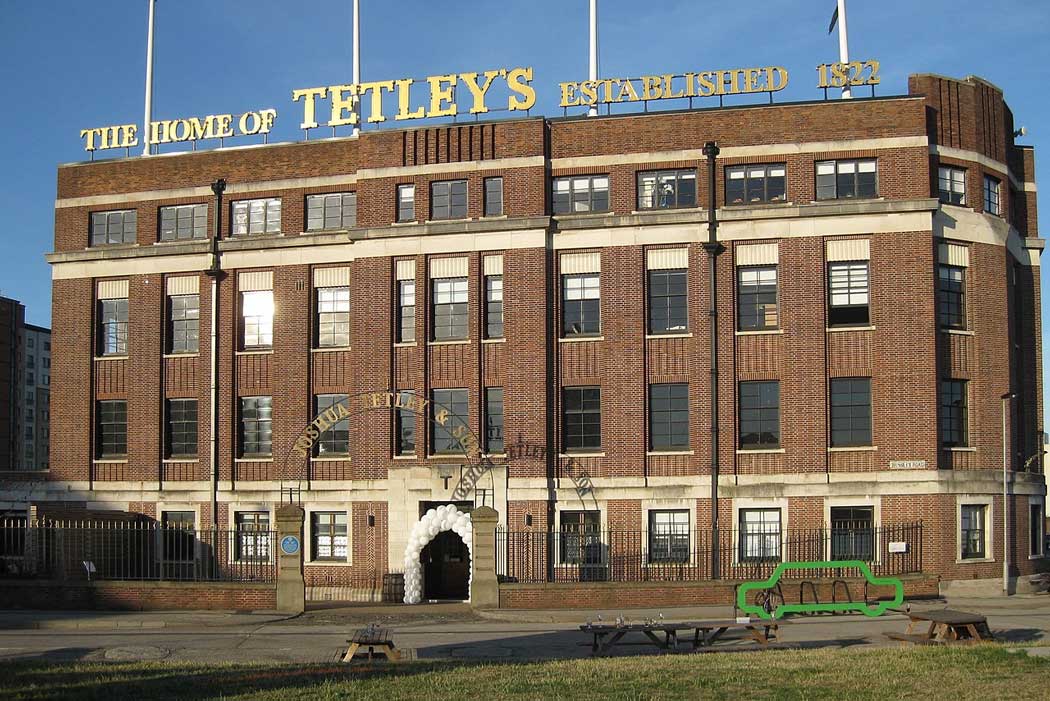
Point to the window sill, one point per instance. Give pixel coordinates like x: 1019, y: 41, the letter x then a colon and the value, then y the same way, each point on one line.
x: 494, y: 455
x: 406, y: 457
x: 111, y: 246
x: 582, y: 215
x: 582, y: 455
x: 180, y: 461
x: 334, y: 458
x: 841, y: 329
x: 254, y: 352
x: 493, y: 340
x: 854, y: 449
x: 176, y: 242
x: 325, y: 232
x: 580, y: 339
x: 654, y: 210
x: 764, y: 332
x: 491, y: 217
x: 961, y: 449
x: 654, y: 453
x: 958, y: 332
x: 760, y: 451
x: 181, y: 355
x: 687, y: 334
x: 447, y: 221
x: 328, y: 563
x: 760, y: 204
x: 460, y: 342
x: 260, y: 235
x: 973, y: 560
x: 407, y: 222
x: 1037, y: 557
x: 110, y: 461
x: 406, y: 344
x: 330, y: 350
x: 259, y: 459
x: 111, y: 357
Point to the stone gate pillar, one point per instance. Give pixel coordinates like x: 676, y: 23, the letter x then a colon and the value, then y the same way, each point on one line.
x: 291, y: 587
x: 484, y: 588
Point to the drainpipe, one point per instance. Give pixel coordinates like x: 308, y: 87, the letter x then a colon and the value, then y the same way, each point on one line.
x: 713, y: 249
x: 215, y: 272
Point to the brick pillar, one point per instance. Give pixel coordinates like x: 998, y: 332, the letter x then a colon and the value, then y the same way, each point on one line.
x: 484, y: 589
x: 291, y: 587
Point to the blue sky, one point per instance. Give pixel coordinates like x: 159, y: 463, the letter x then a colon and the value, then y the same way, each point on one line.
x: 69, y: 65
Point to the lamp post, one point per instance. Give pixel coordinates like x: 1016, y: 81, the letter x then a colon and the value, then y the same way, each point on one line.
x: 1006, y: 504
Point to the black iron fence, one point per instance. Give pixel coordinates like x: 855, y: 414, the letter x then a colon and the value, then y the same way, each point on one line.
x: 134, y: 551
x: 686, y: 556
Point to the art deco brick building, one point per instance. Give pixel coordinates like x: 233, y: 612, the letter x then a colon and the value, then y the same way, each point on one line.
x: 546, y: 282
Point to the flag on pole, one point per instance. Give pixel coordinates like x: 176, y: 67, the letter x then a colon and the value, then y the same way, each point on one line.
x: 834, y: 20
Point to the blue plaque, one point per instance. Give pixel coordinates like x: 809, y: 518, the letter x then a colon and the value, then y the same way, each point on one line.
x: 290, y: 545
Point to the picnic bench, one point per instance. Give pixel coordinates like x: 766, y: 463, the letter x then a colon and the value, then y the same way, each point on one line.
x: 942, y: 627
x: 377, y: 642
x: 665, y: 635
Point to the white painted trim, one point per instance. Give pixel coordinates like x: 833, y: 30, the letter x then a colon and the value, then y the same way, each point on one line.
x: 308, y: 543
x: 988, y: 501
x: 876, y: 516
x: 981, y: 159
x: 743, y: 503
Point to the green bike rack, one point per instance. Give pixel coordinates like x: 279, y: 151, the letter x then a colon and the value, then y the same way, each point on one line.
x: 859, y: 606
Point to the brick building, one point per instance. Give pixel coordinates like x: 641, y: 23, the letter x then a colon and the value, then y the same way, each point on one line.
x: 546, y: 283
x: 25, y: 388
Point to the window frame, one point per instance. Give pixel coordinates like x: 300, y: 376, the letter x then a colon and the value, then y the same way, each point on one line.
x: 837, y: 175
x: 177, y: 415
x: 444, y: 200
x: 951, y: 297
x: 111, y: 413
x: 113, y: 327
x: 763, y: 409
x: 347, y: 211
x: 578, y: 539
x: 406, y: 203
x: 323, y: 402
x: 953, y: 417
x: 993, y: 195
x: 262, y: 323
x: 582, y: 306
x: 765, y: 535
x: 673, y: 553
x: 263, y: 426
x: 488, y: 188
x: 494, y: 429
x: 450, y: 320
x: 452, y: 399
x: 249, y: 546
x: 335, y: 525
x: 952, y: 177
x: 1036, y: 529
x: 861, y: 548
x: 494, y: 326
x: 850, y: 291
x: 198, y: 222
x: 664, y: 414
x: 128, y: 225
x: 849, y: 411
x: 750, y: 296
x: 583, y: 444
x: 679, y: 175
x: 271, y: 212
x: 965, y: 534
x: 183, y: 325
x: 334, y: 318
x: 405, y: 422
x: 658, y: 303
x: 748, y: 188
x: 571, y: 197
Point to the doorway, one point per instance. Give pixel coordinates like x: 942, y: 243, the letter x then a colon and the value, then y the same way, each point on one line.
x: 446, y: 567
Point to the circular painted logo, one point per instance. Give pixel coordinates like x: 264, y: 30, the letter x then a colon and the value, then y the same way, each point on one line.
x: 290, y: 545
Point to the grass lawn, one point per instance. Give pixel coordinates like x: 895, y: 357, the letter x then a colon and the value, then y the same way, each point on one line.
x: 982, y: 672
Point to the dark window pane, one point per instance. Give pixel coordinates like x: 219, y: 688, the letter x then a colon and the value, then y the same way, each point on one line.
x: 850, y: 411
x: 444, y: 438
x: 669, y: 416
x: 759, y: 415
x: 581, y: 418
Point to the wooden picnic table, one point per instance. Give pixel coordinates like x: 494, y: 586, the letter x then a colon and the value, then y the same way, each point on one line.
x: 944, y: 626
x: 705, y: 633
x: 374, y: 640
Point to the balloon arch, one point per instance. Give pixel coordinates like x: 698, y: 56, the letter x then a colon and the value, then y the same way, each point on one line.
x: 436, y: 520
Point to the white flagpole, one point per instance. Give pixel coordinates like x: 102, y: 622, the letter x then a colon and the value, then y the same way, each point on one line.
x: 357, y: 64
x: 843, y: 46
x: 149, y: 82
x: 593, y: 75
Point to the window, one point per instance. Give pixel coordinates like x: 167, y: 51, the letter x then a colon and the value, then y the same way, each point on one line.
x: 494, y: 420
x: 30, y: 379
x: 848, y: 293
x: 759, y: 538
x: 668, y: 536
x: 581, y: 538
x: 47, y: 345
x: 253, y: 536
x: 113, y: 326
x: 1035, y: 529
x: 182, y: 428
x: 405, y: 425
x: 406, y: 311
x: 406, y: 203
x: 669, y: 417
x: 450, y: 308
x: 448, y: 200
x: 328, y: 529
x: 588, y: 193
x: 178, y: 536
x: 31, y: 362
x: 256, y: 431
x: 493, y: 306
x: 184, y: 323
x: 991, y: 195
x: 759, y: 415
x: 455, y: 401
x: 493, y: 197
x: 951, y: 185
x: 667, y: 189
x: 853, y: 533
x: 850, y: 411
x: 112, y: 440
x: 334, y: 440
x: 47, y: 362
x: 332, y: 212
x: 582, y: 418
x: 838, y: 180
x: 972, y: 530
x: 108, y: 228
x: 757, y: 298
x: 756, y: 184
x: 184, y: 222
x: 951, y: 296
x: 581, y: 304
x: 257, y: 216
x: 333, y: 317
x: 257, y: 319
x: 953, y: 413
x: 668, y: 305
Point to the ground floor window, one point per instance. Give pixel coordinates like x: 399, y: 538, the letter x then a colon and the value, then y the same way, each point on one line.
x: 581, y: 542
x: 328, y: 529
x: 853, y: 533
x: 759, y: 537
x: 669, y: 536
x: 253, y: 535
x: 178, y: 535
x: 972, y: 530
x: 1035, y: 529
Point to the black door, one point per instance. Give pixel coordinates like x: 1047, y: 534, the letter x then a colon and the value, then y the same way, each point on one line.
x: 446, y: 567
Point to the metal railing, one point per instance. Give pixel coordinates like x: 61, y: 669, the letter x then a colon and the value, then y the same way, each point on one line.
x: 685, y: 556
x: 134, y: 551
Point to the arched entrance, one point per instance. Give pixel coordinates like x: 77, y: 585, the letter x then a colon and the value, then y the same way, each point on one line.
x: 445, y: 523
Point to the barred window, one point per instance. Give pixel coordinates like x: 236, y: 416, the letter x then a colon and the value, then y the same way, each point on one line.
x: 581, y: 304
x: 972, y: 530
x: 850, y: 411
x: 112, y: 429
x: 848, y: 293
x: 261, y: 216
x: 494, y: 420
x: 448, y: 200
x: 847, y: 179
x: 667, y: 189
x: 582, y: 418
x: 578, y: 194
x: 108, y: 228
x: 668, y: 536
x: 406, y: 203
x: 253, y: 536
x: 759, y: 535
x: 406, y: 311
x: 257, y: 319
x: 493, y: 306
x: 756, y: 184
x: 951, y: 185
x: 328, y: 531
x: 450, y: 308
x: 333, y: 317
x: 182, y: 428
x: 179, y: 536
x: 256, y: 427
x: 853, y: 533
x: 668, y: 302
x: 493, y: 197
x: 757, y: 298
x: 953, y: 413
x: 334, y: 440
x: 405, y: 425
x: 184, y: 222
x: 456, y: 402
x: 184, y: 323
x: 669, y: 416
x: 581, y: 538
x: 759, y: 415
x: 992, y: 191
x: 951, y: 296
x: 331, y: 212
x: 113, y: 326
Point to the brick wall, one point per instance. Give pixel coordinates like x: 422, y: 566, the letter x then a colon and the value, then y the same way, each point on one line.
x: 138, y: 596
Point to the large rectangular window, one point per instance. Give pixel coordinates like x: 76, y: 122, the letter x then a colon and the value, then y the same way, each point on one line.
x: 406, y: 203
x: 261, y: 216
x: 450, y: 308
x: 581, y: 538
x: 992, y: 192
x: 457, y: 403
x: 493, y: 306
x: 331, y: 212
x: 581, y: 304
x: 493, y: 197
x: 257, y: 320
x: 582, y: 418
x: 184, y: 313
x: 849, y: 293
x: 184, y: 222
x: 667, y: 189
x: 850, y: 411
x: 405, y: 425
x: 1035, y: 530
x: 253, y: 536
x: 108, y: 228
x: 494, y: 420
x: 182, y: 428
x: 448, y: 200
x: 759, y: 415
x: 256, y: 427
x: 328, y: 533
x: 112, y: 439
x: 951, y: 296
x: 668, y: 302
x: 757, y: 298
x: 113, y: 326
x: 406, y: 311
x: 756, y: 184
x: 334, y: 440
x: 179, y: 541
x: 333, y: 317
x: 954, y: 418
x: 972, y: 531
x: 581, y: 194
x: 951, y: 185
x: 847, y: 179
x: 669, y: 416
x: 853, y: 533
x: 759, y: 536
x: 668, y: 536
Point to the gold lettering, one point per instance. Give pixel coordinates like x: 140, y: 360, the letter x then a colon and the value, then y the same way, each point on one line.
x: 308, y: 95
x: 441, y: 93
x: 459, y: 431
x: 199, y: 129
x: 441, y: 416
x: 706, y: 84
x: 343, y: 411
x: 518, y: 81
x: 607, y: 88
x: 222, y: 125
x: 627, y: 89
x: 651, y: 88
x: 313, y: 433
x: 776, y: 78
x: 181, y: 130
x: 404, y: 88
x: 375, y: 109
x: 690, y: 85
x: 377, y: 399
x: 267, y: 117
x: 668, y: 92
x: 589, y: 91
x: 568, y: 95
x: 256, y: 123
x: 478, y: 91
x: 130, y: 136
x: 343, y: 103
x: 89, y: 135
x: 302, y: 447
